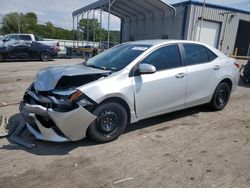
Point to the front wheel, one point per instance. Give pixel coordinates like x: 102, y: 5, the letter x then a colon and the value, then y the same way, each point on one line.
x: 221, y: 96
x: 45, y: 56
x: 111, y: 121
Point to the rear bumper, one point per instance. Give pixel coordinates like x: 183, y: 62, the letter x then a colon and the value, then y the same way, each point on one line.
x: 49, y: 125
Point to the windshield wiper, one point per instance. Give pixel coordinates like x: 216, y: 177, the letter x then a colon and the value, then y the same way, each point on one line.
x: 97, y: 67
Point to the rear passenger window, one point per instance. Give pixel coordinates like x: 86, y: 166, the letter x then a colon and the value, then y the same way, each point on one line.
x: 211, y: 56
x: 25, y: 37
x: 197, y: 54
x: 164, y: 58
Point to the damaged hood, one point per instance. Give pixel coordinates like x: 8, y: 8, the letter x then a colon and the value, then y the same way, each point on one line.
x: 48, y: 78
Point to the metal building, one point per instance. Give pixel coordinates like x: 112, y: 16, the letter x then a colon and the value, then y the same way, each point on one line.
x: 140, y: 19
x: 227, y: 29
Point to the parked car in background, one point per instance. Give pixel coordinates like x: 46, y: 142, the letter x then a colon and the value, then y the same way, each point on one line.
x: 15, y: 47
x: 125, y: 84
x: 32, y: 38
x: 104, y: 45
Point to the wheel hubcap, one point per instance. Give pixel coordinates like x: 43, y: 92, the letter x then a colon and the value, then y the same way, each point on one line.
x: 45, y: 57
x: 222, y: 97
x: 107, y: 122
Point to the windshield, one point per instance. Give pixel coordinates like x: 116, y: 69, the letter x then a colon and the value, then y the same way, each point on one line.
x: 118, y: 57
x: 3, y: 37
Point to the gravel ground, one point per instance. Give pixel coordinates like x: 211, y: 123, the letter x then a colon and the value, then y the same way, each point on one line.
x: 189, y: 148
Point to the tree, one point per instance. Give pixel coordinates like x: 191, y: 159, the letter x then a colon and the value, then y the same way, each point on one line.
x: 94, y: 26
x: 10, y: 23
x: 29, y: 24
x: 87, y: 29
x: 50, y: 30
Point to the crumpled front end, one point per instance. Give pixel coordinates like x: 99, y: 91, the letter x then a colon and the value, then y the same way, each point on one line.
x: 52, y: 117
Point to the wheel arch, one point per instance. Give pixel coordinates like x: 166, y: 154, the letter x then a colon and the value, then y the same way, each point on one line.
x: 228, y: 81
x: 121, y: 102
x: 45, y: 51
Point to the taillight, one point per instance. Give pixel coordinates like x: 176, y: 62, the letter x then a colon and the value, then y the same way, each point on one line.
x: 237, y: 65
x: 55, y: 48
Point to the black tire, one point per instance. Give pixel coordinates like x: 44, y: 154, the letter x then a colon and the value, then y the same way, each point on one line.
x: 221, y: 97
x: 45, y: 56
x: 111, y: 122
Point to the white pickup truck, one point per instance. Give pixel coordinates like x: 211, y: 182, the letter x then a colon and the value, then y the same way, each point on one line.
x: 30, y: 38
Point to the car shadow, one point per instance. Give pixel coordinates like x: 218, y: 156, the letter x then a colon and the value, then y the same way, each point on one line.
x: 51, y: 148
x: 167, y: 117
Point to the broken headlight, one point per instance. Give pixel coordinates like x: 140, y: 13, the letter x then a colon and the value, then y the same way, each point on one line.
x: 70, y: 99
x: 81, y: 99
x: 75, y: 96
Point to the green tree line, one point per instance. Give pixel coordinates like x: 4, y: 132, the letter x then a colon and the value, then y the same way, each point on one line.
x: 29, y: 24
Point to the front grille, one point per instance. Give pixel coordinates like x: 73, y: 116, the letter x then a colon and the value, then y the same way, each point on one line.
x: 45, y: 121
x: 30, y: 100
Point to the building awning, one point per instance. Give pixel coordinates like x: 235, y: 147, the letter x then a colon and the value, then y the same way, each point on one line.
x: 129, y: 9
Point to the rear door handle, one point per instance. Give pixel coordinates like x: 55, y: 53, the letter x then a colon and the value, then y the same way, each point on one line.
x: 180, y: 75
x: 217, y: 67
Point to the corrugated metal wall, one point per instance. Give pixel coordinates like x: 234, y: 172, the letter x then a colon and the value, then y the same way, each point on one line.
x: 155, y: 27
x: 183, y: 25
x: 213, y: 14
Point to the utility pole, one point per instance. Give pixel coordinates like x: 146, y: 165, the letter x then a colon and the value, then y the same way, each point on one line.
x: 88, y: 27
x: 111, y: 2
x: 202, y: 18
x: 18, y: 24
x: 101, y: 25
x: 73, y: 32
x: 109, y: 23
x: 94, y: 28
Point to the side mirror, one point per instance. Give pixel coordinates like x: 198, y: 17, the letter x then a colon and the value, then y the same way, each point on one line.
x: 5, y: 40
x: 146, y: 69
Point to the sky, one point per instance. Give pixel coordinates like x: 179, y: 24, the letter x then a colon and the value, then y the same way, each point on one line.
x: 59, y: 12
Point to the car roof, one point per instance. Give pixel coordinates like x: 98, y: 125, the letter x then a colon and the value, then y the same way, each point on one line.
x: 161, y: 41
x: 16, y: 34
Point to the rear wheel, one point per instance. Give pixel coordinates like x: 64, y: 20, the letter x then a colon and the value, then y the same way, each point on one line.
x: 111, y: 121
x: 221, y: 96
x: 45, y: 56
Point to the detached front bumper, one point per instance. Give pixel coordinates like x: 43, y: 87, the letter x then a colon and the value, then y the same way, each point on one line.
x: 51, y: 125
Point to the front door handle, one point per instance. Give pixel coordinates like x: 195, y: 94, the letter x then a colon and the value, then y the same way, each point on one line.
x: 180, y: 75
x: 217, y: 67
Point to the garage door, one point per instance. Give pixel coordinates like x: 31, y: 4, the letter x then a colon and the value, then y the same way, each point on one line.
x: 209, y: 34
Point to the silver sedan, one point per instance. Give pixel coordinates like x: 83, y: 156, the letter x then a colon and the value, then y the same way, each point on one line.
x: 125, y: 84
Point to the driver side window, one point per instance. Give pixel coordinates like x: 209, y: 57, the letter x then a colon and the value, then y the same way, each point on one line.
x: 166, y: 57
x: 12, y: 39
